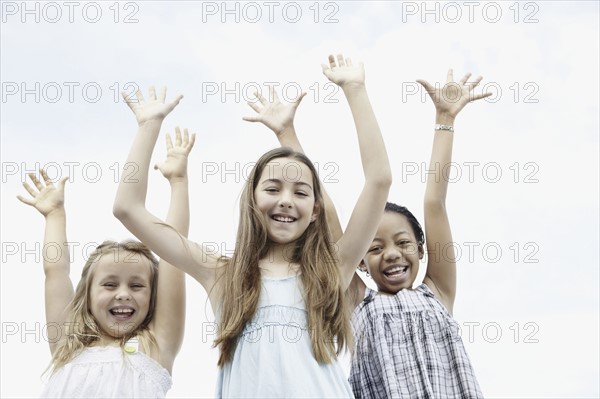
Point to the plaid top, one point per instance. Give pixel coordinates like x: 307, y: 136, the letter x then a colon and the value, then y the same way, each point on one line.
x: 408, y: 346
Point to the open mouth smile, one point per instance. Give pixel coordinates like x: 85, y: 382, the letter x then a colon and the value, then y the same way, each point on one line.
x: 122, y: 312
x: 283, y: 219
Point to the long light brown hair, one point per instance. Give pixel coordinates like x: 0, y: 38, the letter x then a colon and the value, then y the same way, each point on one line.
x: 81, y: 329
x: 328, y: 319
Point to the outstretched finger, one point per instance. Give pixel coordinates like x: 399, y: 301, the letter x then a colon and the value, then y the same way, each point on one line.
x: 254, y: 106
x: 480, y: 96
x: 163, y: 94
x: 326, y: 71
x: 35, y: 181
x: 475, y: 82
x: 128, y: 100
x: 331, y: 61
x: 177, y: 137
x: 139, y: 96
x: 254, y: 118
x: 152, y: 93
x: 30, y: 190
x: 27, y: 201
x: 46, y: 178
x: 262, y: 100
x: 192, y: 141
x: 340, y: 60
x: 297, y: 101
x: 428, y: 87
x: 273, y: 95
x: 465, y: 78
x: 169, y: 142
x: 450, y: 76
x: 62, y: 182
x: 175, y: 101
x: 186, y: 137
x: 349, y: 62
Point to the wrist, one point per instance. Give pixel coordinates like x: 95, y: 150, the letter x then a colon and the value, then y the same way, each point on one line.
x: 287, y: 130
x: 176, y: 180
x: 352, y: 87
x: 149, y: 123
x: 443, y: 118
x: 56, y: 213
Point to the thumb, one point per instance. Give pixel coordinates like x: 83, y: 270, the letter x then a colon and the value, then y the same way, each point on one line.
x: 428, y: 87
x: 299, y: 99
x: 62, y: 182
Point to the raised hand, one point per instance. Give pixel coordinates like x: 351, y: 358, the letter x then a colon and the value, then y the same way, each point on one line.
x: 453, y: 96
x: 343, y: 73
x: 153, y: 109
x: 46, y: 197
x: 274, y: 114
x: 175, y: 166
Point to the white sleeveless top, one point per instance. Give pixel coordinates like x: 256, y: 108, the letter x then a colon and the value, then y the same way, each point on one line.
x: 109, y: 372
x: 273, y: 357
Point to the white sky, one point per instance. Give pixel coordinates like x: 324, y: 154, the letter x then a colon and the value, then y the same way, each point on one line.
x: 528, y: 236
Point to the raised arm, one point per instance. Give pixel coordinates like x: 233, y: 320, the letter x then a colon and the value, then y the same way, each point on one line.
x: 448, y: 101
x: 130, y: 207
x: 279, y: 117
x: 168, y: 323
x: 369, y: 208
x: 49, y: 201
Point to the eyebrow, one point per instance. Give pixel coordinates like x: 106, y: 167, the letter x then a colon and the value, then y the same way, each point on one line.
x: 116, y: 277
x: 401, y: 232
x: 297, y: 183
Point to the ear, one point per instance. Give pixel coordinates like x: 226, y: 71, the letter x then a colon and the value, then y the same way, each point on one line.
x: 362, y: 267
x: 421, y: 250
x: 316, y: 213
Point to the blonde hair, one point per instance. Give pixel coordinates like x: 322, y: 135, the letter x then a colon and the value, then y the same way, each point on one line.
x: 328, y: 318
x: 83, y: 330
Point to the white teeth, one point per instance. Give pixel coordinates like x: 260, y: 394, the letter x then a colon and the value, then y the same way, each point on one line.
x: 283, y: 219
x: 396, y: 269
x: 122, y: 310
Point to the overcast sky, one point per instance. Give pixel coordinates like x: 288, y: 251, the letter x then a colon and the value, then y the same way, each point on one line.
x: 523, y: 203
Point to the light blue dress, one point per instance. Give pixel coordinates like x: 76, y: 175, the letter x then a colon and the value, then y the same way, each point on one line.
x: 273, y: 357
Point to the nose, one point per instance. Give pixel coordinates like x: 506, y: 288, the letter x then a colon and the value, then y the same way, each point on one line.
x: 285, y: 199
x: 392, y: 253
x: 123, y: 295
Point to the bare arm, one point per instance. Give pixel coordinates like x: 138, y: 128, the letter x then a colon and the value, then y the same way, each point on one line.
x: 168, y: 323
x: 130, y: 207
x: 49, y: 201
x: 441, y: 271
x: 368, y: 210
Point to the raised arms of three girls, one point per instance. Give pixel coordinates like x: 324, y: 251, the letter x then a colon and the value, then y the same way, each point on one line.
x: 169, y: 317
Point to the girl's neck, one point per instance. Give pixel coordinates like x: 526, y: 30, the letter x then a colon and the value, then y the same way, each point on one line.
x: 107, y: 340
x: 279, y: 261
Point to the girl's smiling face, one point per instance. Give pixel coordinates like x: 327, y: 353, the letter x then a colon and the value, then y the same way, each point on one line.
x: 393, y: 257
x: 285, y: 196
x: 120, y: 292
